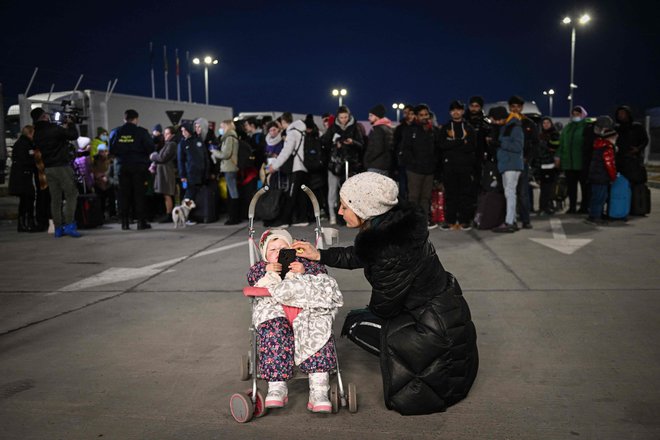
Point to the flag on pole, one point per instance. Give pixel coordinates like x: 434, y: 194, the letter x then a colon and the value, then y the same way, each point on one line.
x: 151, y: 66
x: 176, y: 54
x: 178, y: 85
x: 165, y: 57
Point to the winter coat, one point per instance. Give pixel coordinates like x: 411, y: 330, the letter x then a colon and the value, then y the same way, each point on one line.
x: 420, y: 148
x: 571, y: 144
x: 293, y: 143
x: 352, y: 153
x: 631, y: 135
x: 165, y: 181
x: 101, y: 169
x: 193, y: 159
x: 458, y: 145
x: 378, y: 153
x: 481, y: 127
x: 228, y: 153
x: 319, y: 299
x: 602, y: 169
x: 23, y: 168
x: 511, y: 145
x: 428, y: 355
x: 131, y: 144
x: 548, y: 144
x: 54, y: 143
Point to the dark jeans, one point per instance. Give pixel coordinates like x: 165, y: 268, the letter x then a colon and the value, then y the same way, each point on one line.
x: 597, y: 200
x: 26, y: 205
x: 523, y: 195
x: 548, y: 182
x: 132, y: 187
x: 459, y: 192
x: 295, y: 204
x: 419, y: 190
x: 573, y: 177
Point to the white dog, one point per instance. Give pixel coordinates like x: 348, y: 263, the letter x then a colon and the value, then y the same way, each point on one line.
x: 180, y: 213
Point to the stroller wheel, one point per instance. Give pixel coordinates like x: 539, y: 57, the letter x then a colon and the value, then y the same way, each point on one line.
x: 241, y: 407
x: 334, y: 397
x: 260, y: 409
x: 352, y: 398
x: 245, y: 367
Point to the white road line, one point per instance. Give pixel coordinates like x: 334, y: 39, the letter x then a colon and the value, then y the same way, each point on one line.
x: 119, y: 274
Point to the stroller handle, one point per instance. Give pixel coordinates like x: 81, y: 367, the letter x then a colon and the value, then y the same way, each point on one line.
x: 255, y: 198
x: 312, y: 197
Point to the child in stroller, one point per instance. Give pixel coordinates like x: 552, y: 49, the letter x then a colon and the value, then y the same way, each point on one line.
x: 284, y: 339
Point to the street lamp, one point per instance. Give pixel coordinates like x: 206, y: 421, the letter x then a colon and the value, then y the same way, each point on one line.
x: 208, y: 61
x: 398, y: 107
x: 584, y: 19
x: 339, y: 93
x: 549, y: 93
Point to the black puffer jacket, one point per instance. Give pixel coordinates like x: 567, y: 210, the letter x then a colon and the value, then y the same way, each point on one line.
x: 429, y: 357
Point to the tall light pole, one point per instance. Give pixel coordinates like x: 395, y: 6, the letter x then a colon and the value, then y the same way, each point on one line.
x: 398, y: 107
x: 572, y: 86
x: 550, y: 94
x: 339, y: 93
x: 208, y: 61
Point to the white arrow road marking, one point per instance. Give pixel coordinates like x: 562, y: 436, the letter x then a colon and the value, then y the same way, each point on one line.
x: 559, y: 242
x: 119, y: 274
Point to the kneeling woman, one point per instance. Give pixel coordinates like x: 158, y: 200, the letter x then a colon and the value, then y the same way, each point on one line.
x: 417, y: 320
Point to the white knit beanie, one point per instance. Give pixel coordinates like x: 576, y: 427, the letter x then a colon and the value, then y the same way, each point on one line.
x: 369, y: 194
x: 270, y: 235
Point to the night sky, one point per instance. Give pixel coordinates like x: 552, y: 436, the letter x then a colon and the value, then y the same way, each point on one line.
x: 288, y: 56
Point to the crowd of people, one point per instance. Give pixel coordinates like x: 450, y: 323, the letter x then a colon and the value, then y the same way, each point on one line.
x: 141, y: 176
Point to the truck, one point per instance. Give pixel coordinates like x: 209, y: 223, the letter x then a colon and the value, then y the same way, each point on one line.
x: 95, y: 108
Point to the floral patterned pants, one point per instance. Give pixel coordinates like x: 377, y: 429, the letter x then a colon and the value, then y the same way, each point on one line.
x: 276, y: 345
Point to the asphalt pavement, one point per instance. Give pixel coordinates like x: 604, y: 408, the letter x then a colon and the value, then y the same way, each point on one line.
x: 139, y: 334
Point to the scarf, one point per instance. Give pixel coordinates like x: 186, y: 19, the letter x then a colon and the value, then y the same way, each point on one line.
x: 273, y: 140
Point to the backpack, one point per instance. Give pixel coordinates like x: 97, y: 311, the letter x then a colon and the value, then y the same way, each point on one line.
x: 247, y: 154
x: 314, y: 158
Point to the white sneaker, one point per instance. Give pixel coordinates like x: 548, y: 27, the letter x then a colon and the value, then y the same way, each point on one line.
x: 318, y: 393
x: 277, y: 395
x: 190, y: 223
x: 301, y: 224
x: 333, y: 220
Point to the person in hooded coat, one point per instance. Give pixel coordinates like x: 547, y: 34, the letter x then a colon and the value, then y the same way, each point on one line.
x: 344, y: 142
x: 631, y: 143
x: 21, y: 178
x: 417, y: 320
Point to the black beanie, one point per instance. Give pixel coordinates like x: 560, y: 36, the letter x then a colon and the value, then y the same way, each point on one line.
x: 515, y: 99
x: 498, y: 113
x: 378, y: 110
x: 456, y: 104
x: 36, y: 113
x: 478, y: 99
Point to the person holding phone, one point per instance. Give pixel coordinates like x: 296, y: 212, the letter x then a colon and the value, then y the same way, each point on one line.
x: 417, y: 320
x: 305, y: 340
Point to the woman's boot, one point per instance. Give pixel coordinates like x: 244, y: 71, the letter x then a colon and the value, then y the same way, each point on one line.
x: 21, y: 223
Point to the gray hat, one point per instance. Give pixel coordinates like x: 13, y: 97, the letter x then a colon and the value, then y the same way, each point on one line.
x: 604, y: 126
x: 369, y: 194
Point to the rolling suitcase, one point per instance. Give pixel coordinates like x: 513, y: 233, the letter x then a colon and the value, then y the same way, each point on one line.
x: 620, y: 195
x: 89, y: 211
x: 641, y: 200
x: 207, y: 199
x: 491, y: 210
x: 437, y: 206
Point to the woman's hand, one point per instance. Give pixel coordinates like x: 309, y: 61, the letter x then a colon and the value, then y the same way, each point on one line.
x: 306, y: 250
x: 297, y: 267
x: 274, y: 267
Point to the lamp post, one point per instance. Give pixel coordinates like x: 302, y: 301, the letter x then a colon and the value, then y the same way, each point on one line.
x: 567, y: 20
x: 208, y: 61
x: 340, y: 93
x: 550, y: 94
x: 398, y: 107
